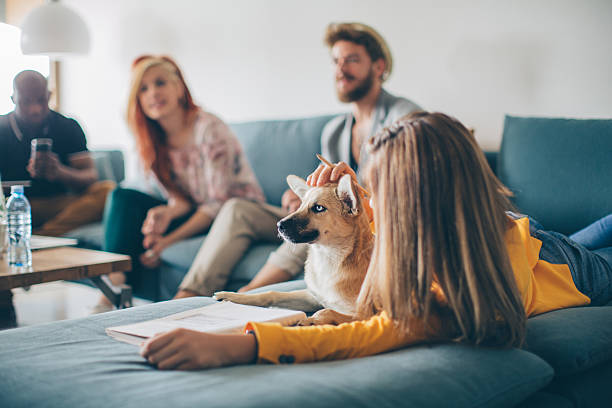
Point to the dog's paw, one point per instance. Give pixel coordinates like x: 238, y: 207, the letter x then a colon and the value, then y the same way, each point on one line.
x: 231, y: 296
x: 325, y: 316
x: 309, y: 321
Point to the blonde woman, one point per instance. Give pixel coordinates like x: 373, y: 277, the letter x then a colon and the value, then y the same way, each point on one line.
x: 450, y: 262
x: 194, y: 156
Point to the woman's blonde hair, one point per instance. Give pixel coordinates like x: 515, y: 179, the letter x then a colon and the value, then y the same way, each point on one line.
x: 150, y: 137
x: 440, y: 218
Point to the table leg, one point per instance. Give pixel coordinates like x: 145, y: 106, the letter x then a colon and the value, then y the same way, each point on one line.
x: 119, y: 295
x: 8, y: 318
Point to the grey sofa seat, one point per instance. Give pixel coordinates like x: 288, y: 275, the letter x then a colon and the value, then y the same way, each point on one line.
x: 75, y: 364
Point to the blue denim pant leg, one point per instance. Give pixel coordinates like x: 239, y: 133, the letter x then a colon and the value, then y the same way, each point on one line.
x: 597, y: 235
x: 605, y: 295
x: 591, y: 270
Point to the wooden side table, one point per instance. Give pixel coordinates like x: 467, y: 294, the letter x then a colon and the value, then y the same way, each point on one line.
x: 67, y: 263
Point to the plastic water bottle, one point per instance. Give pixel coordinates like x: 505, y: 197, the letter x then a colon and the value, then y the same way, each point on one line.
x: 3, y: 225
x: 20, y: 229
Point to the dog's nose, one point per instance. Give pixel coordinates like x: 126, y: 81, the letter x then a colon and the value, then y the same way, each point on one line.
x: 284, y: 224
x: 291, y: 224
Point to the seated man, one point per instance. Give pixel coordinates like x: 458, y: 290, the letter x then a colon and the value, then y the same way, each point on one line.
x: 362, y: 62
x: 64, y: 191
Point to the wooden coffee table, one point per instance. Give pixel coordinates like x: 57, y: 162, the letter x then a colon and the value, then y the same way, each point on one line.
x: 69, y: 263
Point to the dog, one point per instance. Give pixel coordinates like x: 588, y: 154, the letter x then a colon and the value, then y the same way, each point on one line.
x: 332, y: 220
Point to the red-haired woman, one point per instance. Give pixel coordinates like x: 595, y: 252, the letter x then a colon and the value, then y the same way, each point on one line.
x: 194, y: 156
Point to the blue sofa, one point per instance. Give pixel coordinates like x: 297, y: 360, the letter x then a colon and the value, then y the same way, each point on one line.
x: 560, y: 172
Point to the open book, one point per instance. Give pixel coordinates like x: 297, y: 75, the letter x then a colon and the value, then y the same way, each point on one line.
x: 222, y: 317
x: 44, y: 242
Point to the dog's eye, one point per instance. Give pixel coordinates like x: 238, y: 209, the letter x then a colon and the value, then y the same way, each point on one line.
x: 318, y: 208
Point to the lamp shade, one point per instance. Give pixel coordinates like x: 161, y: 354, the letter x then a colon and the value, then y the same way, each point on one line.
x: 53, y: 29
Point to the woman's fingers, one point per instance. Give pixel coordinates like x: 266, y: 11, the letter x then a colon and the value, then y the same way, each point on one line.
x: 182, y: 349
x: 340, y: 170
x: 166, y: 353
x: 329, y: 174
x: 314, y: 176
x: 324, y: 177
x: 156, y: 343
x: 148, y: 241
x: 150, y: 259
x: 187, y: 366
x: 147, y: 227
x: 174, y: 360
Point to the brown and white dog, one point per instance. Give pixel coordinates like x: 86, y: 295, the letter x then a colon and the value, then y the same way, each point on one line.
x: 331, y: 219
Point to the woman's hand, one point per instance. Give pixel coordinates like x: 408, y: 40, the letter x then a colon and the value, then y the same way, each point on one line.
x: 325, y: 174
x: 157, y: 221
x: 154, y: 245
x: 183, y: 349
x: 330, y: 174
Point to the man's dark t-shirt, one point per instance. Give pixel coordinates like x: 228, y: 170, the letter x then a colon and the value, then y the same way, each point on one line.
x: 15, y: 148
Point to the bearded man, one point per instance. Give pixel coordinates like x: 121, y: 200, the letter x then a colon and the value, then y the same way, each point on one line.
x: 362, y: 62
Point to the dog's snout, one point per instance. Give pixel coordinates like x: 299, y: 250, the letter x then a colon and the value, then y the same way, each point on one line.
x: 290, y: 224
x: 295, y: 229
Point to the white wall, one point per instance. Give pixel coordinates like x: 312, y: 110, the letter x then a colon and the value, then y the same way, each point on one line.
x: 258, y: 59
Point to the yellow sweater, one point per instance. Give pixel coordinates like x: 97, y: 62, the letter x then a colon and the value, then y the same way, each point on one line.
x: 543, y: 287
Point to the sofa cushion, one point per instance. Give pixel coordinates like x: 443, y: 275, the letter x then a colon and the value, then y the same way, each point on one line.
x: 182, y: 253
x: 89, y: 235
x: 110, y: 164
x: 572, y: 340
x: 276, y: 148
x: 587, y: 389
x: 563, y: 162
x: 543, y: 399
x: 177, y: 260
x: 74, y: 363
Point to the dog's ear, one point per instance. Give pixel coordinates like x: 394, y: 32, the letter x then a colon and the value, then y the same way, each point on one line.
x: 298, y: 185
x: 346, y: 193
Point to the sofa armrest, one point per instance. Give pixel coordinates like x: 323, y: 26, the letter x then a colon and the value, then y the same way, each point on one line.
x: 558, y: 169
x: 492, y: 160
x: 110, y: 164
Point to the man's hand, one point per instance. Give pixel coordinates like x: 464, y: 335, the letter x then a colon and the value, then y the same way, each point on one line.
x: 183, y: 349
x: 45, y: 165
x: 290, y: 201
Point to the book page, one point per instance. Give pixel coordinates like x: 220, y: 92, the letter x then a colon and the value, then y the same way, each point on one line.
x: 222, y: 317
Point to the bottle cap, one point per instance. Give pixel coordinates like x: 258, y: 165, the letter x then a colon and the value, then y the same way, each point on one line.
x: 17, y: 189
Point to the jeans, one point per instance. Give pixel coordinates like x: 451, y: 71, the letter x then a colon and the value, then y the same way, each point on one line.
x: 597, y: 235
x: 597, y: 238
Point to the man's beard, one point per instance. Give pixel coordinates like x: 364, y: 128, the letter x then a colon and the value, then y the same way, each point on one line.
x: 360, y: 91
